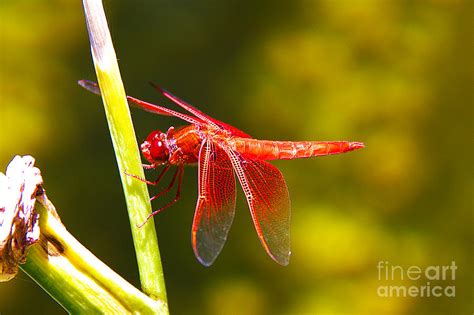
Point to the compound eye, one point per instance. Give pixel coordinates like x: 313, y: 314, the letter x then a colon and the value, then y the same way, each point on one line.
x: 154, y: 148
x: 154, y: 136
x: 158, y: 151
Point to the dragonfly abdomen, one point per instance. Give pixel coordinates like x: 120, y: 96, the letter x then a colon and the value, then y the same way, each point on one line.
x: 288, y: 150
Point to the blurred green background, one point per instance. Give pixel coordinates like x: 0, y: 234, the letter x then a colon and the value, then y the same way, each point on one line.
x: 396, y: 75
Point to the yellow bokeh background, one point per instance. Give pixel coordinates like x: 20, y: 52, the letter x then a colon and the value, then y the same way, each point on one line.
x: 395, y: 75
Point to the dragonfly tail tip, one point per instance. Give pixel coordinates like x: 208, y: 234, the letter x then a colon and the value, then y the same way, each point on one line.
x: 356, y: 145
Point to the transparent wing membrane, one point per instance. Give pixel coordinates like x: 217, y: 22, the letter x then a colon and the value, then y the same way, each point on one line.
x: 269, y: 202
x: 216, y: 203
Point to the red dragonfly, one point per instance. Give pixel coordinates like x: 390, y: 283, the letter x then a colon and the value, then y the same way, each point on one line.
x: 220, y: 151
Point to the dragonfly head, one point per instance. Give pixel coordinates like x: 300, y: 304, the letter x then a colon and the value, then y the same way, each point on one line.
x: 155, y: 149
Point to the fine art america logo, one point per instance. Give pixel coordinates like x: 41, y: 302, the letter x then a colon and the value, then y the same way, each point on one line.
x: 429, y: 281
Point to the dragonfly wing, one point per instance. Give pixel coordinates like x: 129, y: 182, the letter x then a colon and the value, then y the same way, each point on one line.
x: 269, y: 202
x: 160, y: 110
x: 149, y: 107
x: 216, y: 202
x: 89, y: 86
x: 196, y: 112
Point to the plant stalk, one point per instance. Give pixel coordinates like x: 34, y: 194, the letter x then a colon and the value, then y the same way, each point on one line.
x: 126, y: 150
x: 76, y: 279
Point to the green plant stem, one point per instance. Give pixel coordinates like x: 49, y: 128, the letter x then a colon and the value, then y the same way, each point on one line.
x: 76, y: 279
x: 126, y: 150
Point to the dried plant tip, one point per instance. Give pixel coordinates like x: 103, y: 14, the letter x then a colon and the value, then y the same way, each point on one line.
x: 19, y: 226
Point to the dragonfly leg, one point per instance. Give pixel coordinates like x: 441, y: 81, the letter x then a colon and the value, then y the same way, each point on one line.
x: 179, y: 175
x: 154, y: 183
x: 171, y: 184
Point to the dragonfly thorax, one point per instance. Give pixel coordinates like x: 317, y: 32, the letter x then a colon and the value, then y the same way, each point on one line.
x: 155, y: 148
